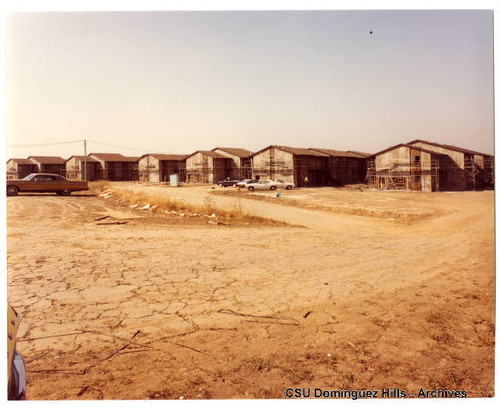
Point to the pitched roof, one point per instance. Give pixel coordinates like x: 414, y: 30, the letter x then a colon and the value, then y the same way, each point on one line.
x: 166, y: 157
x: 336, y: 153
x: 408, y: 146
x: 48, y: 160
x: 450, y: 147
x: 22, y: 161
x: 363, y: 154
x: 113, y: 157
x: 81, y: 158
x: 294, y: 151
x: 209, y: 153
x: 239, y: 152
x: 301, y: 151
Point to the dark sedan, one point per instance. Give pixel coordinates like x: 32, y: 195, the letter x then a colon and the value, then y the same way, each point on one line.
x: 227, y: 182
x: 45, y: 183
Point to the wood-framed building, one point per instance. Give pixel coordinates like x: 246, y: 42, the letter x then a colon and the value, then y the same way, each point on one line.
x: 75, y: 168
x: 406, y: 168
x: 301, y: 166
x: 159, y: 167
x: 241, y: 165
x: 207, y: 167
x: 18, y: 168
x: 50, y: 165
x: 463, y: 169
x: 116, y: 167
x: 345, y: 167
x: 428, y: 166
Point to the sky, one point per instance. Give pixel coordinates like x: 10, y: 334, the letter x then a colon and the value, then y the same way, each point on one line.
x: 177, y: 82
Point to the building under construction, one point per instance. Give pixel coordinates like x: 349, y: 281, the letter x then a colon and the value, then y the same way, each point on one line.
x: 159, y: 167
x: 345, y: 167
x: 302, y: 166
x: 463, y: 169
x: 426, y: 166
x: 75, y: 168
x: 18, y: 168
x: 241, y: 163
x: 51, y: 165
x: 207, y: 167
x: 116, y: 167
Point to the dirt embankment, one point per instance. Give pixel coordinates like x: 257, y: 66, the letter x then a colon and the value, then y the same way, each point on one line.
x: 160, y: 309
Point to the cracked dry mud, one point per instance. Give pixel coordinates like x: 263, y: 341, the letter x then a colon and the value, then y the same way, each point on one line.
x: 160, y: 309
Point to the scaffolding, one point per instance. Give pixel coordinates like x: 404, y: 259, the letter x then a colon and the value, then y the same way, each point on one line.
x: 201, y: 171
x: 402, y: 176
x: 300, y: 170
x: 472, y: 170
x: 275, y: 169
x: 489, y: 170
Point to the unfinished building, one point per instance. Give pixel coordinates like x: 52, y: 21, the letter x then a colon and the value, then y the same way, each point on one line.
x: 207, y: 167
x: 18, y: 168
x: 405, y: 168
x: 51, y: 165
x: 345, y: 167
x: 302, y: 166
x: 75, y: 168
x: 426, y: 166
x: 463, y: 169
x: 241, y: 163
x: 159, y: 167
x: 116, y: 167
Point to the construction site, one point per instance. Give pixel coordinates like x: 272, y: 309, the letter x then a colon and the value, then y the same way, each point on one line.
x: 221, y: 294
x: 414, y: 166
x: 429, y: 167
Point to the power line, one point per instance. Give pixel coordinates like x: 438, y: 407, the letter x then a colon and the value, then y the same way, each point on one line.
x: 42, y: 145
x: 73, y: 142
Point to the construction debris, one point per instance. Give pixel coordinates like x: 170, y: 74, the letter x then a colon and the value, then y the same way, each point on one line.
x: 113, y: 223
x: 212, y: 222
x: 106, y: 194
x: 278, y: 320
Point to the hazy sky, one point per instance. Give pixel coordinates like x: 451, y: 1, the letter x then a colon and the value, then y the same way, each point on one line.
x: 176, y: 82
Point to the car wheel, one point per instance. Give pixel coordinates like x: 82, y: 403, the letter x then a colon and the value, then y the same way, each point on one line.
x: 273, y: 188
x: 288, y: 187
x: 65, y: 192
x: 12, y: 190
x: 251, y: 188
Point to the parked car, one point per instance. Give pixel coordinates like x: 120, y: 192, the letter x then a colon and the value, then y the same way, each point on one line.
x: 227, y: 182
x: 266, y: 184
x: 16, y: 370
x: 245, y: 182
x: 284, y: 185
x: 45, y: 183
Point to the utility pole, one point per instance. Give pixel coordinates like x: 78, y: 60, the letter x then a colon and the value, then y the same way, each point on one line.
x: 85, y: 159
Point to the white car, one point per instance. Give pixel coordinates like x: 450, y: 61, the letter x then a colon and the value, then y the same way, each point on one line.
x: 266, y: 184
x: 245, y: 182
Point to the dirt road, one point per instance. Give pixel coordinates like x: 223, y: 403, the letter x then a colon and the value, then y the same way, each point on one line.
x: 399, y: 294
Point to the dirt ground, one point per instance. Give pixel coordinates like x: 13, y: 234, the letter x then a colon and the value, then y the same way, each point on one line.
x: 367, y: 290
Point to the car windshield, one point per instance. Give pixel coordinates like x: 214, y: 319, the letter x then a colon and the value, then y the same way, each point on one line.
x: 29, y: 177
